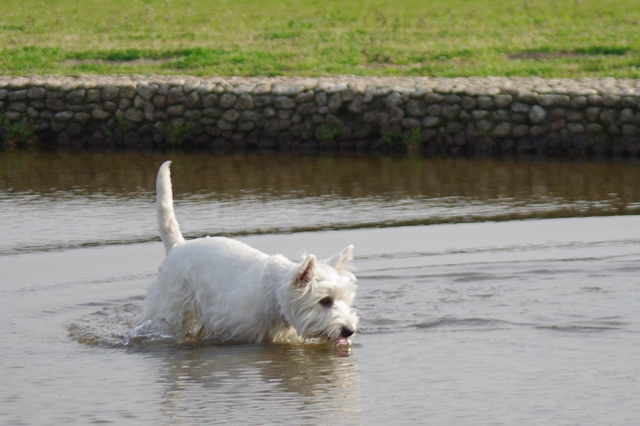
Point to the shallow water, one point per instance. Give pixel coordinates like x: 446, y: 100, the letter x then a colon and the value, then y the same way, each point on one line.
x: 469, y: 315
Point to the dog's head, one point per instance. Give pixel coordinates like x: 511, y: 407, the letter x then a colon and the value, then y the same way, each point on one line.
x: 317, y: 299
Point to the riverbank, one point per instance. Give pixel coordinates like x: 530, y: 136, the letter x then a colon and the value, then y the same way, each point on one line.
x: 449, y: 116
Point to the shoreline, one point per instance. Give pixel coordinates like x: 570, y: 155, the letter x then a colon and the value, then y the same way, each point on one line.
x: 433, y: 116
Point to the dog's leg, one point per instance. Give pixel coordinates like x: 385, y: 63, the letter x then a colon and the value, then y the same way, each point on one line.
x: 167, y: 223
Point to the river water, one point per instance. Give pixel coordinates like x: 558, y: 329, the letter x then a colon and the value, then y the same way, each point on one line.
x: 491, y: 291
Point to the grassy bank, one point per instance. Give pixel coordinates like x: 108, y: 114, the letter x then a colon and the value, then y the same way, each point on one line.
x: 548, y: 38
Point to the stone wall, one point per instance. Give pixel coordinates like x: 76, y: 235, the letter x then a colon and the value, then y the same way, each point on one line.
x: 453, y: 116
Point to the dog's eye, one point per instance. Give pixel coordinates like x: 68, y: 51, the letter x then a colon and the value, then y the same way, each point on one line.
x: 326, y: 302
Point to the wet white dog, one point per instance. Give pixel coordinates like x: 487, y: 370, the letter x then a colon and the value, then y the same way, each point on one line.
x: 219, y: 287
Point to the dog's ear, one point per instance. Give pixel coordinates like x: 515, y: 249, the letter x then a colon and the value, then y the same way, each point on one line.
x: 340, y: 261
x: 306, y: 272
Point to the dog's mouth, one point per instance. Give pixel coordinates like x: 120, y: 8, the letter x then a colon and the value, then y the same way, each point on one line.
x: 343, y: 337
x: 343, y: 341
x: 338, y: 341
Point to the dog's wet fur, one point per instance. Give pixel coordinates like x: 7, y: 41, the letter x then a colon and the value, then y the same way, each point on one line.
x: 216, y: 287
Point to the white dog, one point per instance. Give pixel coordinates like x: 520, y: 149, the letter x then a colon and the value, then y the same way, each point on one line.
x: 219, y: 287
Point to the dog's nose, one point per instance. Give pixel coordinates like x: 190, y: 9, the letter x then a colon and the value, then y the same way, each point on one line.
x: 345, y: 332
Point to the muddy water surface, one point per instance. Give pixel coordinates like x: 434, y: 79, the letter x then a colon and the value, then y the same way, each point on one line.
x: 470, y: 314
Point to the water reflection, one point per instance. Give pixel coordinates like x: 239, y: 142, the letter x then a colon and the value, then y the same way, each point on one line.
x: 258, y: 384
x: 62, y: 200
x: 229, y: 177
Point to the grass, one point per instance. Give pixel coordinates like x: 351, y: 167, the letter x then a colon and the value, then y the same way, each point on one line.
x: 328, y: 133
x: 548, y: 38
x: 177, y: 133
x: 14, y: 135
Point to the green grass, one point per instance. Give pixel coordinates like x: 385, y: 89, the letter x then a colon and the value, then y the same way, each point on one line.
x: 548, y: 38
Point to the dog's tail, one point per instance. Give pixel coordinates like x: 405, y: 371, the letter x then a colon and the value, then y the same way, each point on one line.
x: 167, y: 223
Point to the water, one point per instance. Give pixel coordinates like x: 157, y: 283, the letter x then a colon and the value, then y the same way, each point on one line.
x: 470, y: 314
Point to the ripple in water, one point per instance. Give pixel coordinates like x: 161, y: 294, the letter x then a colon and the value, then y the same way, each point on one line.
x: 115, y: 327
x: 108, y: 327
